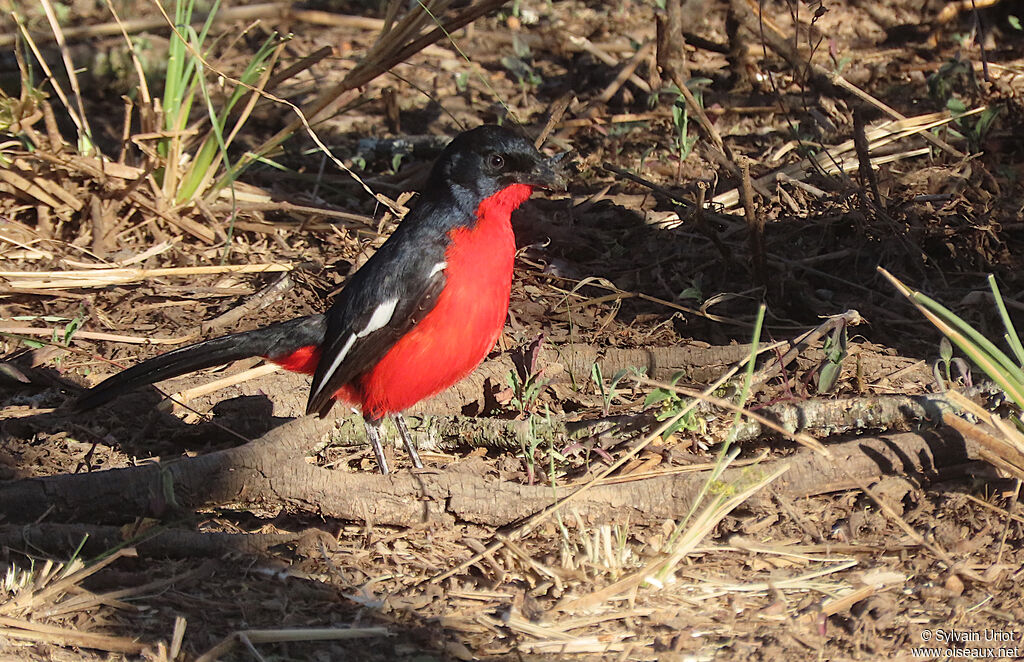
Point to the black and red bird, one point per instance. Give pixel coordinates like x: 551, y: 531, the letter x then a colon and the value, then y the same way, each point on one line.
x: 422, y: 312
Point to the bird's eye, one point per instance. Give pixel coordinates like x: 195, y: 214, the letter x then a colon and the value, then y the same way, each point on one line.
x: 496, y: 161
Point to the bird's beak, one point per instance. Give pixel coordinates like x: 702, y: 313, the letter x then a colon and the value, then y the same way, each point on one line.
x: 550, y: 173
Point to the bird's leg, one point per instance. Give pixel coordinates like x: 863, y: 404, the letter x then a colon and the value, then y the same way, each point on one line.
x: 373, y: 435
x: 403, y: 431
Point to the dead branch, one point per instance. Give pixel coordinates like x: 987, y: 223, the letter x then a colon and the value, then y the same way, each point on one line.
x: 821, y: 417
x: 826, y: 417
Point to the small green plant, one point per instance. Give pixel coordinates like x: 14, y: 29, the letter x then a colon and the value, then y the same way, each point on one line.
x: 695, y: 291
x: 670, y: 404
x: 520, y: 65
x: 16, y: 110
x: 832, y: 365
x: 610, y: 392
x: 974, y: 127
x: 942, y: 370
x: 58, y: 337
x: 681, y: 117
x: 396, y: 161
x: 952, y: 77
x: 529, y: 445
x: 533, y: 440
x: 525, y: 392
x: 681, y: 120
x: 70, y: 329
x: 949, y: 85
x: 641, y: 168
x: 525, y: 380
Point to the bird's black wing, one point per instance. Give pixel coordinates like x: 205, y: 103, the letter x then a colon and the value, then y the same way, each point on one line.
x: 383, y: 300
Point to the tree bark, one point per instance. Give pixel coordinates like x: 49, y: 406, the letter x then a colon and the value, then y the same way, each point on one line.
x: 271, y: 473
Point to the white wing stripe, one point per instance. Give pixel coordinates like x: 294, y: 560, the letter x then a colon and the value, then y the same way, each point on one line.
x: 337, y: 362
x: 380, y: 318
x: 440, y: 266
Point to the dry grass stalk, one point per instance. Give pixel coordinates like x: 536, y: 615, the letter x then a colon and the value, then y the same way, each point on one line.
x: 843, y: 157
x: 79, y: 121
x: 1001, y: 444
x: 181, y: 397
x: 610, y: 643
x: 875, y: 581
x: 288, y: 635
x: 38, y: 332
x: 711, y: 588
x: 54, y: 589
x: 671, y: 471
x: 49, y: 588
x: 100, y: 276
x: 27, y: 631
x: 34, y: 189
x: 69, y: 67
x: 699, y: 528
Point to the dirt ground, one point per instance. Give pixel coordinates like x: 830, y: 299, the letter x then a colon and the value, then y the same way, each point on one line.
x: 903, y: 544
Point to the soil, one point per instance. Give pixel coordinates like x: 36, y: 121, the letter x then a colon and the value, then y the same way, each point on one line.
x: 651, y: 261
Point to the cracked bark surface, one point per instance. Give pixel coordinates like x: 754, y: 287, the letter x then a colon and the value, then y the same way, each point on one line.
x: 272, y: 473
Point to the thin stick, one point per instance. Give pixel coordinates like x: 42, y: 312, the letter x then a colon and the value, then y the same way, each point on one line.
x: 181, y: 397
x: 102, y: 277
x: 69, y: 67
x: 91, y: 335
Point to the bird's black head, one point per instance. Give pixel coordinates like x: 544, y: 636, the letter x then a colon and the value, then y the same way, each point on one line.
x: 489, y: 158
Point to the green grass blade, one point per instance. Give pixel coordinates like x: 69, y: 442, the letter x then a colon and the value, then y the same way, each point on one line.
x: 177, y: 57
x: 214, y: 148
x: 970, y: 334
x: 1011, y: 384
x: 748, y: 376
x: 1012, y: 339
x: 993, y: 361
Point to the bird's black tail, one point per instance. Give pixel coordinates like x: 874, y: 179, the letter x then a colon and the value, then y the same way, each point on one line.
x: 276, y: 340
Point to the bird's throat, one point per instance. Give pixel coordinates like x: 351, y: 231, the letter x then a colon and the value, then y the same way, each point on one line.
x: 500, y: 205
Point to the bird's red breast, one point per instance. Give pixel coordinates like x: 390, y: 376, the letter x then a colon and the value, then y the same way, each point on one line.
x: 456, y: 335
